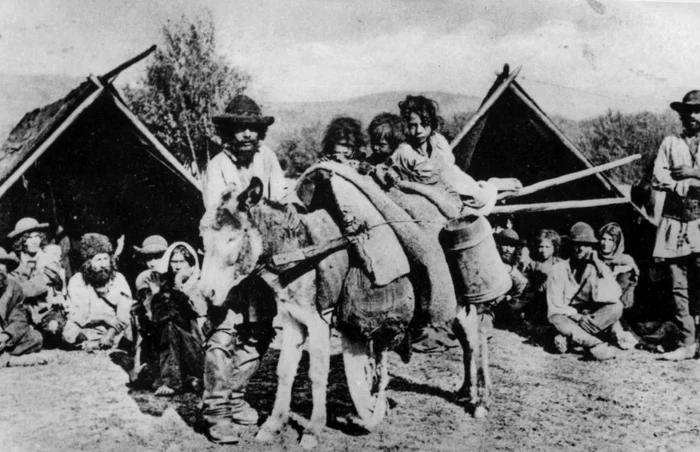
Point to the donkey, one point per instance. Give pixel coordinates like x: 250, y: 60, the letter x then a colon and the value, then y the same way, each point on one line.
x: 238, y: 236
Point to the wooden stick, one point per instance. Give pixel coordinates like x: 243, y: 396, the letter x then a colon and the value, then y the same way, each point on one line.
x: 560, y: 205
x: 568, y: 177
x: 284, y: 260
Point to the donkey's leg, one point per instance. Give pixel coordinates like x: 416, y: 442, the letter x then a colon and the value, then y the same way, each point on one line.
x: 290, y: 355
x: 466, y: 328
x: 484, y: 384
x: 319, y: 348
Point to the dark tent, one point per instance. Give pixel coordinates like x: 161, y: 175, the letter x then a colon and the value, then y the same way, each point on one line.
x: 510, y: 136
x: 88, y: 164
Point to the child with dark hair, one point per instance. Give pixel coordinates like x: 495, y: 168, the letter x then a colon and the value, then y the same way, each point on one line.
x: 426, y: 157
x: 386, y: 132
x: 343, y: 140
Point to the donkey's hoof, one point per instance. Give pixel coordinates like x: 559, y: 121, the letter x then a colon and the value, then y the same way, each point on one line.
x: 308, y: 441
x: 480, y: 412
x: 264, y: 436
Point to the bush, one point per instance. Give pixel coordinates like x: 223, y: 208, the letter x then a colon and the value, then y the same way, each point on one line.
x: 300, y: 149
x: 615, y: 135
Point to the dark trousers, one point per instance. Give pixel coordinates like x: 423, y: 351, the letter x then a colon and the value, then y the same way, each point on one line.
x: 30, y: 342
x: 181, y: 356
x: 685, y: 278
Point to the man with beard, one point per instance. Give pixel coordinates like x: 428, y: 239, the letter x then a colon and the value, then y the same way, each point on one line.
x: 677, y: 173
x: 241, y: 128
x: 99, y: 297
x: 234, y: 348
x: 583, y: 296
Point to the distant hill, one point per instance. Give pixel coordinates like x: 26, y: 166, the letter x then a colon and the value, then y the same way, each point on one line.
x: 291, y: 116
x: 20, y: 94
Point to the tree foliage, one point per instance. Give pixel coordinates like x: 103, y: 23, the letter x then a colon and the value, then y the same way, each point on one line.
x: 186, y: 83
x: 300, y: 149
x: 614, y: 135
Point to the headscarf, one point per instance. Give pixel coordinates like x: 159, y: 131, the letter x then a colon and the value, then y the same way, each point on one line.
x: 163, y: 265
x: 617, y: 256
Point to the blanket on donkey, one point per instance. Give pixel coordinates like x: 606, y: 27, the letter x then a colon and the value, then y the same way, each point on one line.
x: 416, y: 219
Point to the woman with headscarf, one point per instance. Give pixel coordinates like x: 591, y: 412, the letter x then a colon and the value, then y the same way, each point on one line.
x: 612, y: 252
x: 169, y: 342
x: 625, y: 270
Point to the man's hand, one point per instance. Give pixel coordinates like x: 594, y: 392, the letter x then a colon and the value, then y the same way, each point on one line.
x: 685, y: 172
x: 153, y: 281
x: 4, y: 337
x: 107, y: 339
x: 54, y: 276
x: 293, y: 217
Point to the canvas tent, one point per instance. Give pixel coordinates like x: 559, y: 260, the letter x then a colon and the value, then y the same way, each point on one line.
x: 510, y: 136
x: 86, y: 163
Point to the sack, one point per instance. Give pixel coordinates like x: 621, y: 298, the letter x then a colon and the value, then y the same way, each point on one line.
x: 375, y: 313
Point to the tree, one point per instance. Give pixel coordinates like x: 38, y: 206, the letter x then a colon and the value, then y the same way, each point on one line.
x: 299, y: 149
x: 185, y: 85
x: 615, y: 135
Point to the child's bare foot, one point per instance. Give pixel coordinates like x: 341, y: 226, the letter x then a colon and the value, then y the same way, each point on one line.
x: 165, y: 391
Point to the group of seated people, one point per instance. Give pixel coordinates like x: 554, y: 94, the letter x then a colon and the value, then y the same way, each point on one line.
x: 581, y: 298
x: 95, y: 308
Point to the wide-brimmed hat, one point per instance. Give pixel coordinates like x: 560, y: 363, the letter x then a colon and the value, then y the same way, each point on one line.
x: 27, y: 225
x: 9, y: 260
x: 582, y: 233
x: 152, y: 245
x: 92, y: 244
x: 509, y: 237
x: 242, y: 110
x: 691, y: 102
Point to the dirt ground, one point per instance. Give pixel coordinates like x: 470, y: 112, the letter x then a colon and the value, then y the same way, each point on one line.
x: 542, y: 402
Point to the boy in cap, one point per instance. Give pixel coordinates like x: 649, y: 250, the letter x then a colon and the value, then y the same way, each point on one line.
x: 583, y: 296
x: 677, y: 173
x: 150, y: 251
x: 99, y: 297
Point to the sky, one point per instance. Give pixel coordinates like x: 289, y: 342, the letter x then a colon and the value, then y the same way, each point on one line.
x: 578, y: 57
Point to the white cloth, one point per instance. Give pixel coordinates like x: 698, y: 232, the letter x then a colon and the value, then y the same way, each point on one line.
x: 675, y: 238
x: 223, y: 172
x: 480, y: 196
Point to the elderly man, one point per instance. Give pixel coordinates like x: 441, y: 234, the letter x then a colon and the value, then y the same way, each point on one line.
x: 233, y: 350
x: 18, y: 340
x: 99, y: 297
x: 583, y: 296
x: 241, y: 128
x: 677, y: 172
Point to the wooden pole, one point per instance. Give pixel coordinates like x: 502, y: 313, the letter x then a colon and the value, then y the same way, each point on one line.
x: 568, y: 177
x: 117, y: 70
x: 561, y: 205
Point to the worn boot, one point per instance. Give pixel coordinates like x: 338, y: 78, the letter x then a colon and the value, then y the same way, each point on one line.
x: 680, y: 354
x: 561, y: 344
x: 602, y: 352
x: 223, y: 432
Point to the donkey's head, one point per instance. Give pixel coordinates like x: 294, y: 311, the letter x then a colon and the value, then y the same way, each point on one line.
x: 233, y: 244
x: 239, y: 233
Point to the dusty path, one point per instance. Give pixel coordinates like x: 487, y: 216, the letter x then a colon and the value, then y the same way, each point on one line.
x: 542, y: 402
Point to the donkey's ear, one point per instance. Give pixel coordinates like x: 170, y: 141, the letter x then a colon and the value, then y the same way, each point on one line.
x: 251, y: 196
